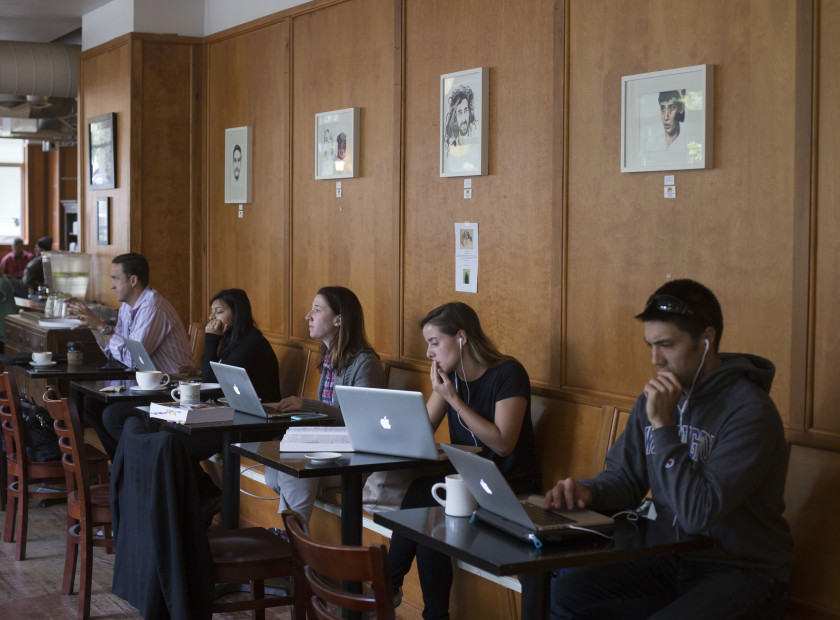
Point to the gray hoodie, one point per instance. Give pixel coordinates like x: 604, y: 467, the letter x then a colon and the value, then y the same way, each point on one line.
x: 720, y: 472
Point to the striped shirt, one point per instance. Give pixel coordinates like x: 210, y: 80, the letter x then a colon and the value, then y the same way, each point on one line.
x: 13, y: 265
x: 153, y: 321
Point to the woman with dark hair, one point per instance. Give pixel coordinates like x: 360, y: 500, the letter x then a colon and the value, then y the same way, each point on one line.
x: 231, y: 337
x: 486, y: 397
x: 337, y: 320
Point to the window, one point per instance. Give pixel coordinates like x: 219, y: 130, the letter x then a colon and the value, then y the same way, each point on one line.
x: 11, y: 189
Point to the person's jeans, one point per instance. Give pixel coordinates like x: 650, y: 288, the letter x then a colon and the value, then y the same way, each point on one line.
x: 664, y: 588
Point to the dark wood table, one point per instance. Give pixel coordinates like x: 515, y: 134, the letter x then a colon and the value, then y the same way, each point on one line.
x: 489, y: 549
x: 351, y: 467
x: 61, y: 374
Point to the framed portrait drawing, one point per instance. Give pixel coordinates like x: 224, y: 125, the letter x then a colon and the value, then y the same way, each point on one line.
x: 464, y: 122
x: 337, y: 144
x: 101, y: 151
x: 238, y: 165
x: 103, y: 221
x: 667, y: 119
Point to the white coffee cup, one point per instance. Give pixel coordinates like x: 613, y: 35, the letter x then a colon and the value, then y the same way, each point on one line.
x: 151, y: 379
x: 187, y: 392
x: 42, y: 357
x: 459, y: 501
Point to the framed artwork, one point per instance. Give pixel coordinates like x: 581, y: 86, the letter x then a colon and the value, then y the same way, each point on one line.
x: 336, y: 144
x: 464, y: 122
x: 667, y: 118
x: 103, y: 221
x: 238, y: 165
x: 102, y: 146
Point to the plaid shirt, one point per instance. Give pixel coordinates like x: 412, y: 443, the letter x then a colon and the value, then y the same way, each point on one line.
x: 329, y: 381
x: 15, y: 265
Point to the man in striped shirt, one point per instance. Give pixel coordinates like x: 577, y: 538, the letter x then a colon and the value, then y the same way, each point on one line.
x: 144, y: 315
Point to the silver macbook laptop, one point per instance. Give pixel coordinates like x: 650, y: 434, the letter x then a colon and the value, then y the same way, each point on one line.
x: 526, y: 519
x: 240, y: 392
x: 139, y: 356
x: 388, y: 422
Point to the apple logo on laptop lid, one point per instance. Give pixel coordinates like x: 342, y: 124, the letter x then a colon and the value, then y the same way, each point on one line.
x: 385, y: 423
x: 486, y: 487
x: 236, y: 389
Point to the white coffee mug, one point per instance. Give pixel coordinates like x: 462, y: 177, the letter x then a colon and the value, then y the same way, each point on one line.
x: 187, y: 392
x: 42, y: 357
x: 151, y: 379
x: 459, y: 501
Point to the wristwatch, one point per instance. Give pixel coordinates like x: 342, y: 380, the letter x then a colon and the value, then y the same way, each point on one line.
x: 108, y: 329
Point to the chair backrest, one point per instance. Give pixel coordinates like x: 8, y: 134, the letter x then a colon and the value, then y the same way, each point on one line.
x: 11, y: 419
x: 324, y: 565
x: 71, y: 441
x: 291, y: 364
x: 195, y: 334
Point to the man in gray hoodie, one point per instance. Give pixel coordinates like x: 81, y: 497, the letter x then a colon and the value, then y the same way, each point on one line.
x: 707, y: 441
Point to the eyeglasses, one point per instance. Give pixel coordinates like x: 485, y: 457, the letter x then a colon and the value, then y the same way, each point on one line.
x: 669, y: 303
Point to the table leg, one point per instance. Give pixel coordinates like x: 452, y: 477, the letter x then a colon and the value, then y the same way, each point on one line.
x: 351, y: 527
x: 230, y: 484
x: 536, y: 594
x: 351, y: 509
x: 78, y: 398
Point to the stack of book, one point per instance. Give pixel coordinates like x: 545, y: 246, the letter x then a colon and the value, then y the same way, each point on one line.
x: 192, y: 413
x: 316, y: 439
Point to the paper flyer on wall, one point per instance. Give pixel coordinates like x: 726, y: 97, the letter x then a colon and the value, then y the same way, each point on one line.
x: 466, y: 257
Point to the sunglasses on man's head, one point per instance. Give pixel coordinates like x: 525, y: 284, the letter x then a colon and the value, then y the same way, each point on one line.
x: 669, y: 303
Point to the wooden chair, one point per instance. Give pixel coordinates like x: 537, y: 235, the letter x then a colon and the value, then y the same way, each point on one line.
x: 20, y: 471
x: 325, y: 565
x: 195, y: 334
x: 88, y: 506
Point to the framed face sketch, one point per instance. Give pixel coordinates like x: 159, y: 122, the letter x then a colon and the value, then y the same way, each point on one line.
x: 101, y: 152
x: 667, y: 119
x: 238, y: 165
x: 336, y: 144
x: 464, y: 122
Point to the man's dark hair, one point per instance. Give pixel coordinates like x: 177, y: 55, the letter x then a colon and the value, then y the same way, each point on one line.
x: 679, y: 97
x: 17, y: 241
x: 45, y: 243
x: 236, y: 147
x: 687, y: 304
x: 134, y: 264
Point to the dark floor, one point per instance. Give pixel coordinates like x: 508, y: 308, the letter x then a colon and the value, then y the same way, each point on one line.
x: 32, y: 588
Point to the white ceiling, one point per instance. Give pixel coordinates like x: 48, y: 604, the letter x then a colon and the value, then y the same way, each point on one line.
x: 43, y: 21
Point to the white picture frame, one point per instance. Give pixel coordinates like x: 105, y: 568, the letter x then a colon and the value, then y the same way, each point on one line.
x: 238, y: 165
x: 464, y: 140
x: 667, y: 119
x: 337, y: 144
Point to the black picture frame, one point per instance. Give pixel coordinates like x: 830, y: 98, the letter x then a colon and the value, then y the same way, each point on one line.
x: 103, y: 221
x: 102, y: 148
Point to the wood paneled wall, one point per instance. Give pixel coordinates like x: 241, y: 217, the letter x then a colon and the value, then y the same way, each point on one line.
x: 153, y: 84
x: 569, y: 247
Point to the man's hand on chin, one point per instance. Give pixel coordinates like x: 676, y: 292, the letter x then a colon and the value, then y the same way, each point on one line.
x: 663, y: 393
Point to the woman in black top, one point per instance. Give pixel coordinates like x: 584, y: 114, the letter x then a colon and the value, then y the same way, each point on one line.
x: 486, y: 398
x: 231, y: 337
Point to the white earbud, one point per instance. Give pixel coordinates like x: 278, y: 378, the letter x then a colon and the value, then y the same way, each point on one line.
x: 707, y: 344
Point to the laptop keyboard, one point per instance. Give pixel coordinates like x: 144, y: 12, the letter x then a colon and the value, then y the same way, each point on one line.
x: 541, y: 516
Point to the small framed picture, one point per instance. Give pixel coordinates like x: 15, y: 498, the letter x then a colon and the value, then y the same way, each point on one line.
x: 667, y: 118
x: 464, y: 122
x: 238, y: 165
x: 336, y: 144
x: 103, y: 221
x: 101, y: 152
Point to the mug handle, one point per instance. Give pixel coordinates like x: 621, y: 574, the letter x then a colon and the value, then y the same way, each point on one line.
x: 165, y: 380
x: 435, y: 487
x: 172, y: 394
